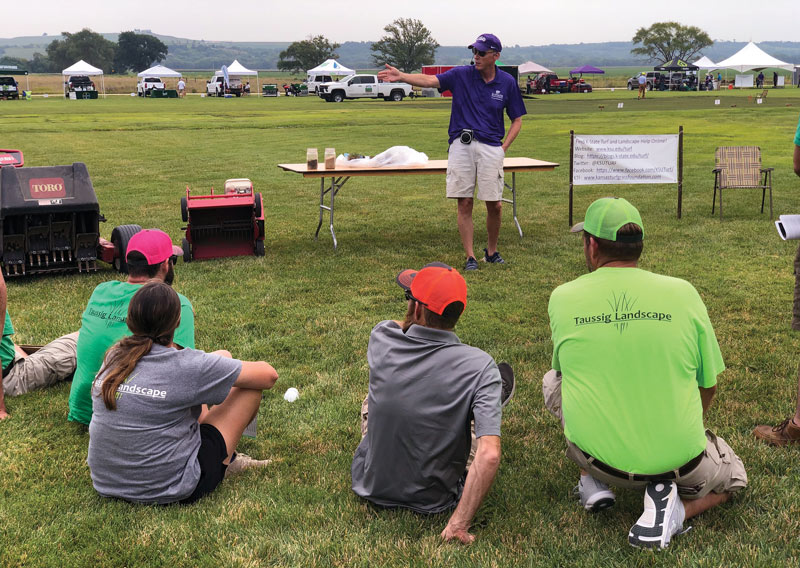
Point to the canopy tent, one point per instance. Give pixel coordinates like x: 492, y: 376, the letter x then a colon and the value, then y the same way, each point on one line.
x: 159, y: 71
x: 83, y: 68
x: 676, y: 65
x: 586, y: 69
x: 331, y: 67
x: 239, y: 70
x: 705, y: 64
x: 752, y: 58
x: 530, y: 67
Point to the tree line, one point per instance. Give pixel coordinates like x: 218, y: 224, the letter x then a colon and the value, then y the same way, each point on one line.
x: 131, y: 52
x: 406, y: 44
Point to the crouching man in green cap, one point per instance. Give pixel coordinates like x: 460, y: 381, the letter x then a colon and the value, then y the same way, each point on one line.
x: 635, y: 365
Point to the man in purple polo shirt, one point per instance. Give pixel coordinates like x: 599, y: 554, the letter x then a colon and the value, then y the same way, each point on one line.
x: 481, y: 93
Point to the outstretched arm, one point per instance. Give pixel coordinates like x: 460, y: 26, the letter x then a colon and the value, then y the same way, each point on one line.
x: 393, y: 75
x: 479, y: 480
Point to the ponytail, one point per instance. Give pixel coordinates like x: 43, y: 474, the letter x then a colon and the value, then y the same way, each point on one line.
x: 154, y: 314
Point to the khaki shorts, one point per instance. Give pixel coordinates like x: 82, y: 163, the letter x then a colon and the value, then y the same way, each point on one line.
x: 720, y: 470
x: 467, y: 163
x: 54, y: 362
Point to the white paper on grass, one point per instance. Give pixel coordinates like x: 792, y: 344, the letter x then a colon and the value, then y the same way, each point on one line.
x: 394, y: 156
x: 788, y: 227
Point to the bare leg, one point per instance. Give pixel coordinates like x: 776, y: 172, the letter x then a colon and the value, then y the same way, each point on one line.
x: 797, y: 407
x: 233, y: 415
x: 465, y: 228
x: 494, y: 210
x: 696, y: 506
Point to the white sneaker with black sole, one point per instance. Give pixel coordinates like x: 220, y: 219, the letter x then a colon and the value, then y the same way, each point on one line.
x: 662, y: 518
x: 594, y: 495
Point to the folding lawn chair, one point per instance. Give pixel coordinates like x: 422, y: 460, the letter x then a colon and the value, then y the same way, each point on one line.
x: 740, y: 167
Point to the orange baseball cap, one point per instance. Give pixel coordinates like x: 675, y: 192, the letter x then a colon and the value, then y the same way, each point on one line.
x: 435, y: 286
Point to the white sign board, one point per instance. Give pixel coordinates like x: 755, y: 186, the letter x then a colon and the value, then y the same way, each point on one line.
x: 602, y: 160
x: 744, y: 82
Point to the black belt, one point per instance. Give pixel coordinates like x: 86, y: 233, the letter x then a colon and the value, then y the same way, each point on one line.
x: 672, y: 474
x: 8, y: 369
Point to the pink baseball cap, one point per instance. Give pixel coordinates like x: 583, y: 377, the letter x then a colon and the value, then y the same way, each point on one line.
x: 154, y: 244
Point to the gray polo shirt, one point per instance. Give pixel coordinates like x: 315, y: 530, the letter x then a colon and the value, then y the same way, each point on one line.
x: 425, y: 387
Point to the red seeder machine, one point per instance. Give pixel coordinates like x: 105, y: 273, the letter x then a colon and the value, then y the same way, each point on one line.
x: 223, y: 224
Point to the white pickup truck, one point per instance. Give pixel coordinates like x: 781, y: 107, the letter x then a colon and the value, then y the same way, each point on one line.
x: 361, y: 87
x: 147, y: 84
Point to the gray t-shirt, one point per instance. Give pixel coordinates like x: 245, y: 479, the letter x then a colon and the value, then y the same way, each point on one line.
x: 146, y: 450
x: 425, y: 387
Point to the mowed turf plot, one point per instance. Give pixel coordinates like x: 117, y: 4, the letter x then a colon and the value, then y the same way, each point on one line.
x: 308, y: 310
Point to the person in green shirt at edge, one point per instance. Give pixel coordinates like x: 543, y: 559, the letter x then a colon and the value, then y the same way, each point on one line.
x: 23, y: 372
x: 150, y: 256
x: 635, y: 365
x: 788, y: 431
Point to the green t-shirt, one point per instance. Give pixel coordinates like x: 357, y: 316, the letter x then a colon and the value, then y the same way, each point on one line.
x: 104, y: 323
x: 7, y: 353
x: 632, y: 348
x: 797, y: 135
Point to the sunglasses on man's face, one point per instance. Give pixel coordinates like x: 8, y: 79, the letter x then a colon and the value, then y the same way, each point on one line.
x: 409, y: 296
x: 479, y: 52
x: 174, y: 259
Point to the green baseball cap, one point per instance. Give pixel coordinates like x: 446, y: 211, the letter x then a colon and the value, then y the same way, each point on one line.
x: 605, y: 216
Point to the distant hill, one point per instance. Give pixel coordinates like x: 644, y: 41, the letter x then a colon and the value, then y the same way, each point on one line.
x: 188, y: 54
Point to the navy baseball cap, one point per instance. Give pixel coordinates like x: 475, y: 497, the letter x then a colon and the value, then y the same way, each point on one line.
x: 486, y: 42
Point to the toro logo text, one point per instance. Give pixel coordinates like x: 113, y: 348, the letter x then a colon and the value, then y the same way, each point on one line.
x: 45, y: 188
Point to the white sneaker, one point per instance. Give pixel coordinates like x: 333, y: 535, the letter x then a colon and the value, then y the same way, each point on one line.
x: 242, y: 462
x: 662, y: 518
x: 594, y: 495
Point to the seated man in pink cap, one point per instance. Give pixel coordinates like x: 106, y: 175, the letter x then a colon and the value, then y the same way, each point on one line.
x: 150, y: 256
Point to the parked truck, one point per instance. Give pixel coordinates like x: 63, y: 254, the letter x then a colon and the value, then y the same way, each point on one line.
x: 363, y: 87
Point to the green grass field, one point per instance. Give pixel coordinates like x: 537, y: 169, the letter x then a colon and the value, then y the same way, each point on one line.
x: 308, y: 310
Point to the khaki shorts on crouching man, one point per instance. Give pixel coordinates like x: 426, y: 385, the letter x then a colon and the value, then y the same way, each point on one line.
x: 720, y: 470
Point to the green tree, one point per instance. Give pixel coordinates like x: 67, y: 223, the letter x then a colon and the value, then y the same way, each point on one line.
x: 408, y: 46
x: 87, y: 45
x: 307, y: 54
x: 137, y: 52
x: 664, y: 41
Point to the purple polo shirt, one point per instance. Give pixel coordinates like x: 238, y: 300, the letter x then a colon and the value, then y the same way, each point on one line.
x: 479, y: 106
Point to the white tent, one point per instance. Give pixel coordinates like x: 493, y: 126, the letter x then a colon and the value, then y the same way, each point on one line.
x: 238, y: 69
x: 705, y: 64
x: 752, y: 58
x: 83, y: 68
x: 530, y: 67
x: 331, y: 67
x: 159, y: 71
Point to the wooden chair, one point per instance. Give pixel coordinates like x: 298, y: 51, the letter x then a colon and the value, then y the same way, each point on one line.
x: 763, y: 96
x: 740, y: 167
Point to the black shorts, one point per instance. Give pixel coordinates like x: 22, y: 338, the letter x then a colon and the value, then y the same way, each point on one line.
x: 212, y: 453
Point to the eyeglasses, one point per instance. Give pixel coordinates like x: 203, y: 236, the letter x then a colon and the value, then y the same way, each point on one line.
x: 481, y: 53
x: 409, y: 296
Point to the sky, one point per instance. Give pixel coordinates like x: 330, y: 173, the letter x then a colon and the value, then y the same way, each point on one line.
x: 515, y: 22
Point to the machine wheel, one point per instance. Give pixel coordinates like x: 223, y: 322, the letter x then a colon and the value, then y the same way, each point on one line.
x: 120, y: 237
x: 259, y: 248
x: 184, y: 209
x: 397, y: 96
x: 649, y: 86
x: 257, y: 205
x: 337, y: 97
x: 187, y: 250
x: 630, y: 86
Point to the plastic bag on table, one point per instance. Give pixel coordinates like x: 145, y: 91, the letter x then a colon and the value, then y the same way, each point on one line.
x: 394, y: 156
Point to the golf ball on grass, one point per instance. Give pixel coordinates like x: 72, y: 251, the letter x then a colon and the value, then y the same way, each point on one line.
x: 291, y: 394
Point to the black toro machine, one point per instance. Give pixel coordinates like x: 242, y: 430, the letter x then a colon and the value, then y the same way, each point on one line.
x: 230, y: 223
x: 50, y: 221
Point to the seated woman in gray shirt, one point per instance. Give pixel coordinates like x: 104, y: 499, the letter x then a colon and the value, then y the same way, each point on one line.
x: 152, y: 437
